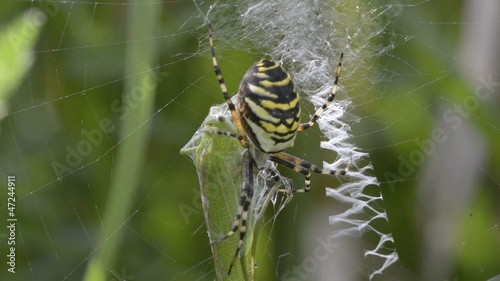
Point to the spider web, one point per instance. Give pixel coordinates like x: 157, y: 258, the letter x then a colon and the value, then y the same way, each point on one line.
x: 415, y: 113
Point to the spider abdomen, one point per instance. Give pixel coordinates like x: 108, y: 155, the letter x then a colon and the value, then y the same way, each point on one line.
x: 269, y: 106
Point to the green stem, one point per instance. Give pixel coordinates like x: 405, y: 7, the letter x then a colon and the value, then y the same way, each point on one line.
x: 138, y: 96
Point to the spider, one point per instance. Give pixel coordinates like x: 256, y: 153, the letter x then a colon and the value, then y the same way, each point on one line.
x: 267, y: 118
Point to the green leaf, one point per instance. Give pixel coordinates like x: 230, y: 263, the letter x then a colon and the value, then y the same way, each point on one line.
x: 16, y: 52
x: 134, y: 136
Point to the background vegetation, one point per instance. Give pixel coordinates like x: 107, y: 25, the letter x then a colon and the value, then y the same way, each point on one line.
x: 431, y: 137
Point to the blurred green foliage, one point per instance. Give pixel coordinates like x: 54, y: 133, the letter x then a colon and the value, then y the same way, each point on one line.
x: 17, y: 50
x: 72, y: 96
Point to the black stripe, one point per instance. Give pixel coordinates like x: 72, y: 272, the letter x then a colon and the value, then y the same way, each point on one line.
x: 276, y: 140
x: 282, y: 115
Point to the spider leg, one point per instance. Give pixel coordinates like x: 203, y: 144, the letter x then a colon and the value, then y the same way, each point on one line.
x: 225, y: 133
x: 220, y: 78
x: 275, y: 175
x: 240, y: 220
x: 302, y: 166
x: 320, y: 111
x: 296, y: 168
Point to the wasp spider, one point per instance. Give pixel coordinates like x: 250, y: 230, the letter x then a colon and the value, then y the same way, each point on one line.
x: 267, y: 117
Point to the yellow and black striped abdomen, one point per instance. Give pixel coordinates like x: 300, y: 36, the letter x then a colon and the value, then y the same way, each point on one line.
x: 269, y: 106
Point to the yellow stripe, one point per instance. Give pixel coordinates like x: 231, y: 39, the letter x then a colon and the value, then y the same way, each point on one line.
x: 260, y: 112
x: 283, y: 106
x: 261, y: 68
x: 261, y: 91
x: 282, y: 129
x: 264, y: 139
x: 284, y: 82
x: 295, y: 125
x: 289, y: 120
x: 260, y: 75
